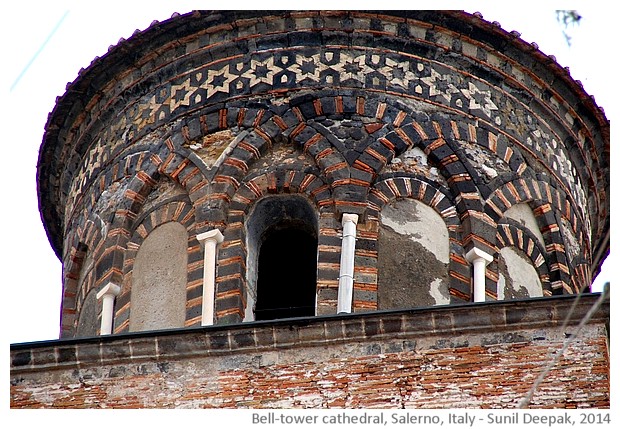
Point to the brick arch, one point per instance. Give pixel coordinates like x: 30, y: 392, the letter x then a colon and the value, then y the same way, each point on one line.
x: 231, y: 276
x: 437, y: 135
x: 86, y: 236
x: 145, y: 169
x: 108, y: 238
x: 397, y: 127
x: 392, y: 124
x: 296, y: 122
x: 69, y: 306
x: 581, y: 279
x: 393, y: 188
x: 512, y: 235
x: 545, y: 201
x: 394, y: 128
x: 182, y: 211
x: 267, y: 126
x: 261, y: 125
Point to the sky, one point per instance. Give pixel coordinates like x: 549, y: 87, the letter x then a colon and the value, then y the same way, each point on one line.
x: 45, y: 44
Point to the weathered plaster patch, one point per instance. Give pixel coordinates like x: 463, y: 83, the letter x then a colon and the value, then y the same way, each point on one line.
x: 415, y: 161
x: 517, y: 276
x: 439, y: 292
x: 418, y: 221
x: 523, y: 214
x: 413, y: 256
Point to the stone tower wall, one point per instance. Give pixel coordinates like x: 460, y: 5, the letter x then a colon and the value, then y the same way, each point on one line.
x: 198, y: 118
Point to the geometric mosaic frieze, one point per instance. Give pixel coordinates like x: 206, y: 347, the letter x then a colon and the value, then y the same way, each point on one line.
x: 260, y: 73
x: 371, y: 101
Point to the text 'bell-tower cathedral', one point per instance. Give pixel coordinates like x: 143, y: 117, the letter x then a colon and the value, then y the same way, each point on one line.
x: 323, y: 209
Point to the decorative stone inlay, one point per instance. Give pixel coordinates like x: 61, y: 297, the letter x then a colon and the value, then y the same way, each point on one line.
x: 350, y: 109
x: 261, y: 72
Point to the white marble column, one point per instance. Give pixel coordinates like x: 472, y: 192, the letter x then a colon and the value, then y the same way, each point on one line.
x: 109, y: 294
x: 479, y: 259
x: 209, y: 240
x: 347, y: 263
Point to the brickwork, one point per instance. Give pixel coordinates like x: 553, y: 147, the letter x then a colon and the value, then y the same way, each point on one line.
x: 201, y: 118
x: 467, y: 356
x: 239, y: 105
x: 511, y: 234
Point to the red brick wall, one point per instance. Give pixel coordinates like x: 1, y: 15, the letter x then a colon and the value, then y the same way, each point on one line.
x: 464, y: 357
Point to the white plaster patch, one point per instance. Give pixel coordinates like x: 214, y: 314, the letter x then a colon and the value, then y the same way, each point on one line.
x: 501, y: 287
x: 522, y: 274
x: 421, y: 223
x: 437, y: 293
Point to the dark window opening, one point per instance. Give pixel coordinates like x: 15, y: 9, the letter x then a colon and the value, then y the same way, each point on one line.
x: 286, y: 285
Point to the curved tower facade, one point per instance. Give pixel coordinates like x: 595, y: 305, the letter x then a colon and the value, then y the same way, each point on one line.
x: 228, y: 167
x: 451, y: 143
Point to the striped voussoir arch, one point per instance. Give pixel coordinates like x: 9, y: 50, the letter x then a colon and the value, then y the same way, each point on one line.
x: 231, y: 277
x: 142, y: 170
x: 179, y: 210
x: 85, y: 239
x: 511, y: 235
x: 543, y: 197
x: 387, y: 190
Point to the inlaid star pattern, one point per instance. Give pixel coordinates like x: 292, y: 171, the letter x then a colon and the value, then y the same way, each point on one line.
x: 262, y: 71
x: 440, y: 85
x: 352, y: 68
x: 478, y: 99
x: 400, y: 74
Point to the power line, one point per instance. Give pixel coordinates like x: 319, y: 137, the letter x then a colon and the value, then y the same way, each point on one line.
x: 526, y: 401
x: 36, y: 54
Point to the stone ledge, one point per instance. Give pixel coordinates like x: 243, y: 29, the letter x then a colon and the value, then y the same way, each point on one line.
x: 494, y: 322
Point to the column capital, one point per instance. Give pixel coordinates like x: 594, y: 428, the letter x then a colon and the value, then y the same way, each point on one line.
x: 213, y: 234
x: 109, y: 289
x: 476, y: 253
x: 350, y: 217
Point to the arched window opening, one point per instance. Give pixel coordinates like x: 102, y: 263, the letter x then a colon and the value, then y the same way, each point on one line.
x: 286, y: 285
x: 282, y: 259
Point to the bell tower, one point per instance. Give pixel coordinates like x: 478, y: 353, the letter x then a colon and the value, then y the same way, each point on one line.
x: 283, y: 171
